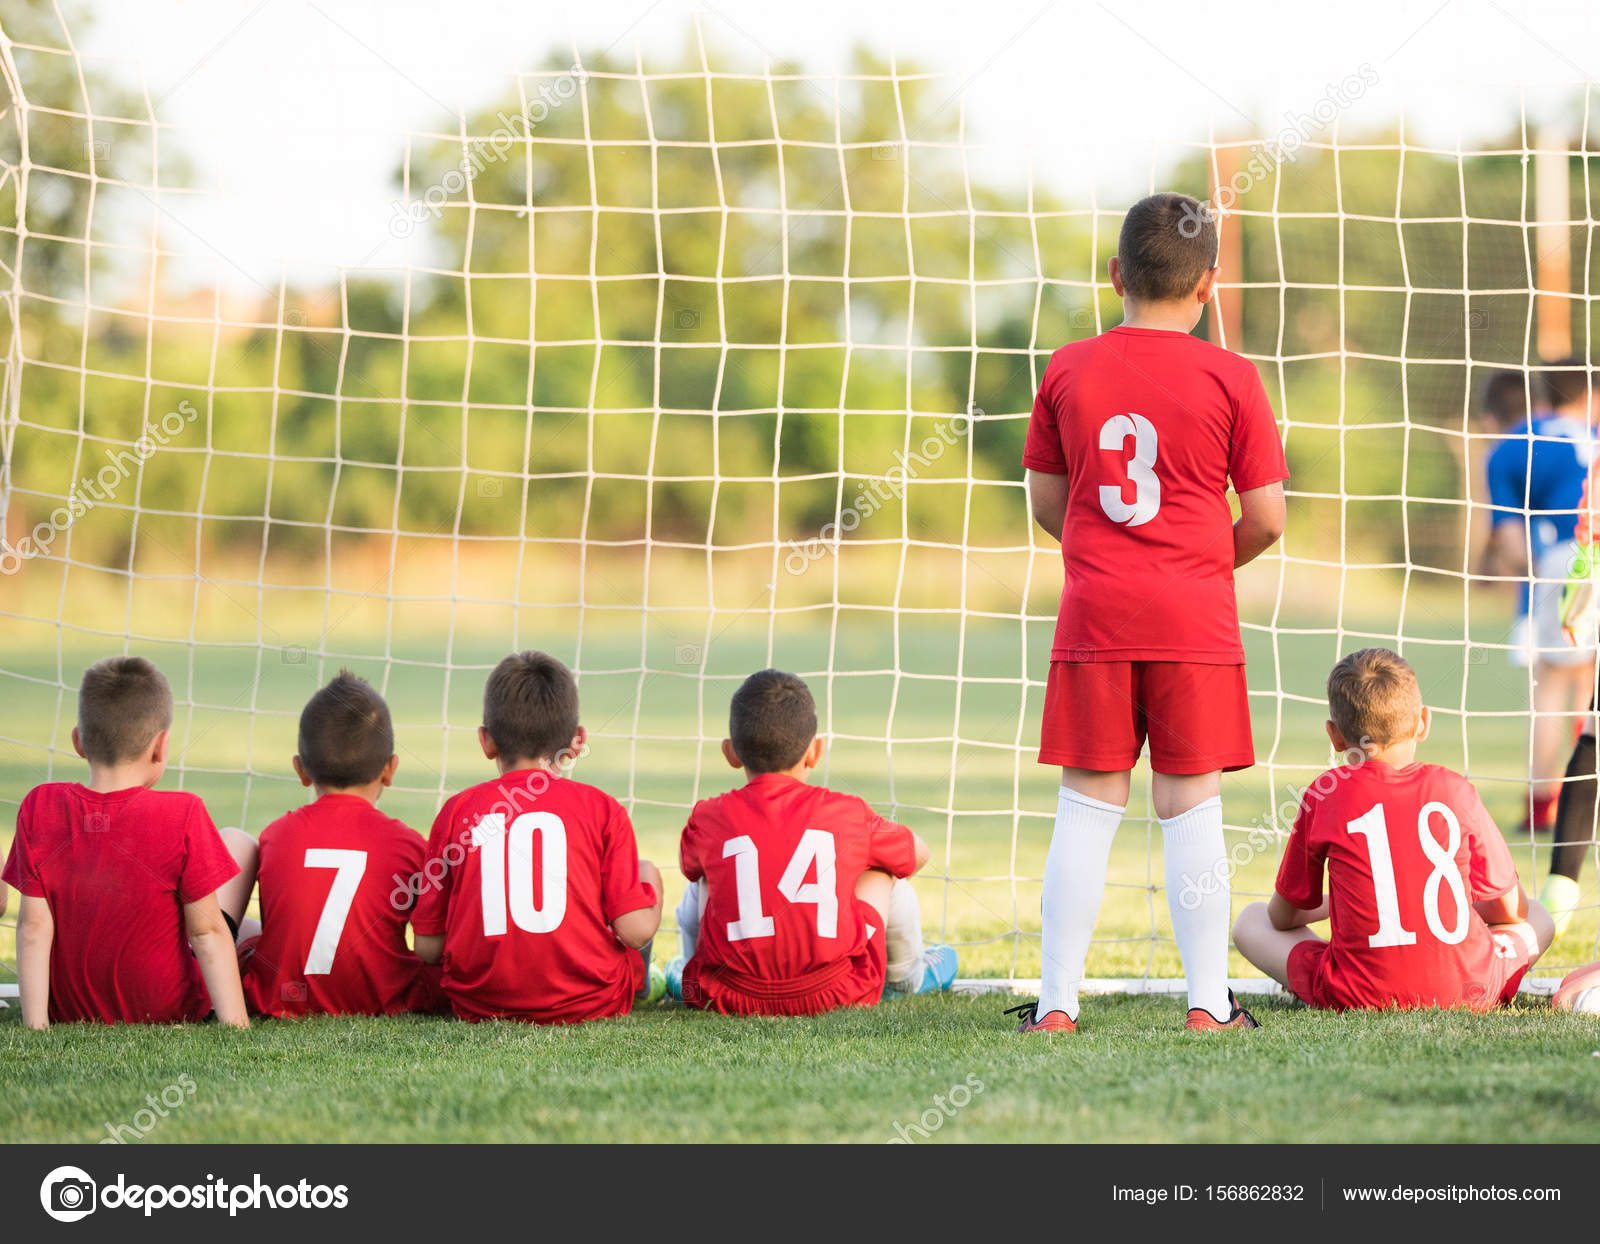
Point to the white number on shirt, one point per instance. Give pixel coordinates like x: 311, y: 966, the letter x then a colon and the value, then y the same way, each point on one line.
x: 351, y: 866
x: 815, y: 849
x: 1141, y: 470
x: 504, y: 853
x: 1391, y: 932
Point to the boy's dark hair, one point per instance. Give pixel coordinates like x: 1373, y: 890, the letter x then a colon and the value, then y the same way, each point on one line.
x: 1373, y: 697
x: 530, y: 707
x: 123, y: 703
x: 346, y: 736
x: 1168, y: 242
x: 1568, y: 384
x: 771, y: 721
x: 1505, y: 397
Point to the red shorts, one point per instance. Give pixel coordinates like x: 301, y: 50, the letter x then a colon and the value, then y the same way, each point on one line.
x: 857, y: 981
x: 1097, y: 715
x: 1513, y: 955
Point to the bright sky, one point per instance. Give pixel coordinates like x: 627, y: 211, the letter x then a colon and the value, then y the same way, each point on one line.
x: 293, y: 109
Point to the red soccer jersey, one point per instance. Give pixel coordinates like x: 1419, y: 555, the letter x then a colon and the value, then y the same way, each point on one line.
x: 338, y: 880
x: 116, y: 869
x: 781, y: 859
x: 524, y: 877
x: 1150, y: 426
x: 1407, y: 851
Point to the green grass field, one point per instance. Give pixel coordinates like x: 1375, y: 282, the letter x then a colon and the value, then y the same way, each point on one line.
x: 978, y: 797
x: 669, y: 1075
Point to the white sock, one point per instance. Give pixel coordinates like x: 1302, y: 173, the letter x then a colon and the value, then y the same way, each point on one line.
x: 905, y: 936
x: 1074, y: 881
x: 688, y: 918
x: 1200, y: 912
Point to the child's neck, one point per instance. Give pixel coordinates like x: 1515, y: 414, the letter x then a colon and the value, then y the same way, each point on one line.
x: 800, y: 773
x: 369, y: 791
x: 522, y: 762
x: 108, y: 779
x: 1177, y: 315
x: 1395, y: 755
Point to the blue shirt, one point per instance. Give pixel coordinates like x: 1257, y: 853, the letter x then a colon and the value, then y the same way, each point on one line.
x: 1536, y: 476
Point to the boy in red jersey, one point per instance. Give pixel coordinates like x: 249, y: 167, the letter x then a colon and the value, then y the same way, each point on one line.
x: 533, y: 894
x: 795, y: 906
x: 1423, y: 901
x: 1135, y: 437
x: 337, y: 876
x: 129, y: 894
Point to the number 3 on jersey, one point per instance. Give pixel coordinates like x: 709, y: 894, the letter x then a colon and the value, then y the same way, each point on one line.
x: 1114, y: 433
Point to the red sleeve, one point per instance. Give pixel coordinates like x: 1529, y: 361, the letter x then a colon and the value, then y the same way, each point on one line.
x: 689, y: 852
x: 621, y: 891
x: 19, y: 870
x: 206, y: 862
x: 1491, y: 871
x: 1042, y: 450
x: 1255, y: 457
x: 1300, y: 873
x: 890, y: 847
x: 433, y: 885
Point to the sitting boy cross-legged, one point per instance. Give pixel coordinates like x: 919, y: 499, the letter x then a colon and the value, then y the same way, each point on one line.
x: 336, y: 875
x: 129, y: 894
x: 1423, y: 901
x: 797, y: 903
x: 533, y: 894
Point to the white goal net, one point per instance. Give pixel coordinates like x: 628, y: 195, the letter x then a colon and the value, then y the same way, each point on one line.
x: 679, y: 364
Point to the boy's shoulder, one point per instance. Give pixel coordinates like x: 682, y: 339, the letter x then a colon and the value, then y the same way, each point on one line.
x: 343, y: 811
x: 815, y: 799
x: 153, y: 803
x: 1119, y: 337
x: 523, y: 790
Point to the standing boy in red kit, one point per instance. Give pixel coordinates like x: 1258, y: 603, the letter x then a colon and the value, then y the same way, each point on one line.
x: 1135, y: 438
x: 1422, y: 897
x: 130, y: 895
x: 338, y: 878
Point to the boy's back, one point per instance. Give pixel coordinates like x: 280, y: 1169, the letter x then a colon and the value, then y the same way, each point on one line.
x: 1149, y: 426
x: 533, y: 870
x: 781, y: 859
x: 1408, y: 850
x: 336, y: 881
x: 116, y: 869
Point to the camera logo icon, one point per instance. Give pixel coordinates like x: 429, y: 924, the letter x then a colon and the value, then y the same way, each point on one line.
x: 293, y: 991
x: 67, y: 1194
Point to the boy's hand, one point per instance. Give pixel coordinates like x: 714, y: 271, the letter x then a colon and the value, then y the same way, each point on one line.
x: 1578, y: 606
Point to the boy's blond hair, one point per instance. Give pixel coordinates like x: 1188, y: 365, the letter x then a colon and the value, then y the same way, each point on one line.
x: 123, y: 703
x: 1374, y: 697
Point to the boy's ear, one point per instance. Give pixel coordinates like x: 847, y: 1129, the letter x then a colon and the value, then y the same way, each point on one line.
x: 1424, y: 723
x: 77, y: 744
x: 301, y: 773
x: 1207, y: 289
x: 1114, y: 271
x: 579, y: 740
x: 1334, y: 737
x: 490, y: 751
x: 728, y: 754
x: 159, y: 745
x: 814, y: 752
x: 387, y: 776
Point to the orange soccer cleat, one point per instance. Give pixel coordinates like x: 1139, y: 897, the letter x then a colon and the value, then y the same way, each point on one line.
x: 1053, y: 1021
x: 1202, y: 1020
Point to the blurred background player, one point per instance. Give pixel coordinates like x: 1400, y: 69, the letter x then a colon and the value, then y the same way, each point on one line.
x: 130, y: 897
x: 1422, y: 897
x: 797, y: 901
x: 534, y: 896
x: 338, y: 879
x: 1535, y: 476
x: 1134, y: 439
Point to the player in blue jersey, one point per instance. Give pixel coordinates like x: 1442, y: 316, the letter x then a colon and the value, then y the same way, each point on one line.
x: 1536, y: 474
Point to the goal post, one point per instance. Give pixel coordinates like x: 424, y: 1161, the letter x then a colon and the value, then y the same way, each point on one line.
x: 685, y: 365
